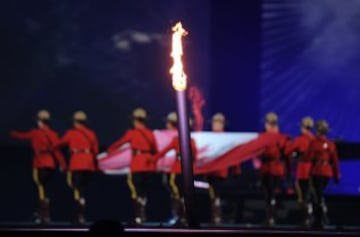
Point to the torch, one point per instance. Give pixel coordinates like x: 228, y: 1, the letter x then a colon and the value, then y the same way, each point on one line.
x: 179, y: 83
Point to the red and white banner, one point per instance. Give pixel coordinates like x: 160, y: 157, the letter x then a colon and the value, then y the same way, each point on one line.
x: 215, y: 151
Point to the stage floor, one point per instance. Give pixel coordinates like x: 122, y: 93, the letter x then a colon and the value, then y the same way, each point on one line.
x: 164, y: 229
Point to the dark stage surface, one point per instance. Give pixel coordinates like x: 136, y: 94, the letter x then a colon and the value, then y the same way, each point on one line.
x: 159, y: 229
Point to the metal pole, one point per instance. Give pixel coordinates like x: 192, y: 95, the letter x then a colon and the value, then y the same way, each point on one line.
x: 186, y: 159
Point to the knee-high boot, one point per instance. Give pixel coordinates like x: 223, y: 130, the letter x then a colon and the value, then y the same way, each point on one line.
x: 270, y: 212
x: 139, y: 205
x: 174, y: 210
x: 216, y: 211
x: 324, y: 211
x: 142, y: 201
x: 180, y: 207
x: 320, y: 214
x: 308, y: 214
x: 43, y: 216
x: 80, y: 211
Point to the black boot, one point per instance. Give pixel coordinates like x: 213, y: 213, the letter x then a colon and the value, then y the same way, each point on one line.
x: 270, y: 213
x: 142, y: 201
x: 80, y: 212
x: 181, y: 221
x: 317, y: 224
x: 216, y: 211
x: 42, y: 215
x: 308, y: 215
x: 324, y: 216
x: 174, y: 211
x: 320, y: 214
x: 139, y: 205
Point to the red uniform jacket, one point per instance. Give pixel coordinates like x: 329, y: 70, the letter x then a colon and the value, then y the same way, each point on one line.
x: 144, y: 146
x: 322, y: 152
x: 83, y: 146
x: 42, y: 140
x: 272, y: 157
x: 175, y: 145
x: 300, y: 145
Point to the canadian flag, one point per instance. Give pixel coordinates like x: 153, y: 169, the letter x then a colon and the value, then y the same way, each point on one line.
x: 215, y: 151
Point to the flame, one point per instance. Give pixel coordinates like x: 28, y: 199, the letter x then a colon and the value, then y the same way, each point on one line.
x: 177, y: 70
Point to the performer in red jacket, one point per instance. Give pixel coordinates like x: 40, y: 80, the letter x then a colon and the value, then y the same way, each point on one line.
x: 275, y: 166
x: 325, y: 165
x: 44, y: 162
x: 298, y: 149
x: 142, y: 165
x: 171, y: 125
x: 217, y: 178
x: 83, y: 145
x: 175, y: 179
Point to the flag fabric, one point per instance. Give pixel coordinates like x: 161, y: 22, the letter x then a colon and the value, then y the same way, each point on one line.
x: 215, y: 151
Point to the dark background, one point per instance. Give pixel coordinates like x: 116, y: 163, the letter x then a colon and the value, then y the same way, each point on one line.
x: 108, y: 57
x: 105, y: 58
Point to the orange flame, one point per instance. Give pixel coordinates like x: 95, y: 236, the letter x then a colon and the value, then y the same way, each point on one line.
x: 177, y: 70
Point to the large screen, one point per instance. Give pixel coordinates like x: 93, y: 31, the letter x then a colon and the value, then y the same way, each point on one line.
x: 310, y: 63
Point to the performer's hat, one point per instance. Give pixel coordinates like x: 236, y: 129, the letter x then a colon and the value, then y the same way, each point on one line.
x: 307, y: 122
x: 271, y: 118
x: 172, y: 117
x: 218, y: 117
x: 139, y: 113
x: 43, y: 115
x: 322, y: 127
x: 80, y: 116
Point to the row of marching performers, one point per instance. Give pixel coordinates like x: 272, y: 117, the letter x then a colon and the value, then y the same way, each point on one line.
x: 317, y: 163
x: 83, y: 148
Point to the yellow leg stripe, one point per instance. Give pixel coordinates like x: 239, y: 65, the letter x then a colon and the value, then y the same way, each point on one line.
x: 299, y: 192
x: 35, y: 176
x: 69, y: 179
x: 173, y: 186
x: 131, y: 186
x: 70, y: 184
x: 211, y: 192
x: 41, y: 191
x: 76, y: 194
